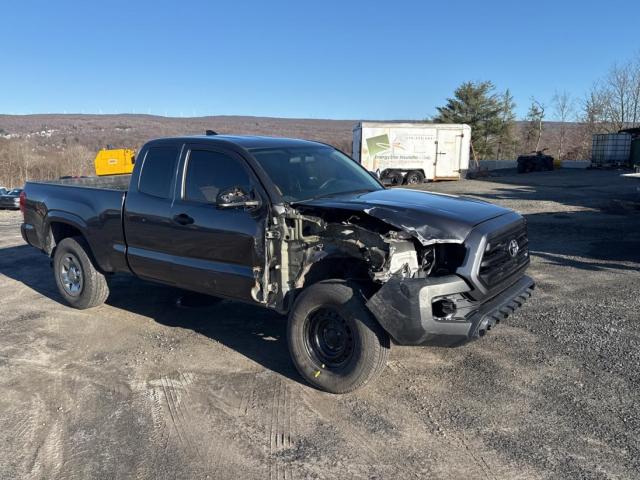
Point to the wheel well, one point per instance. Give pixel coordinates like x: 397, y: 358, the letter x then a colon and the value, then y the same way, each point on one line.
x: 345, y: 268
x: 60, y: 231
x: 334, y: 267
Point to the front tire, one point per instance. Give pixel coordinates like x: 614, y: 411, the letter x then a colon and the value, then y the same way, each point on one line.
x: 78, y: 281
x: 335, y: 342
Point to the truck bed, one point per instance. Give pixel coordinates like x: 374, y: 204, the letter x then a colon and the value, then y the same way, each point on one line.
x: 92, y: 206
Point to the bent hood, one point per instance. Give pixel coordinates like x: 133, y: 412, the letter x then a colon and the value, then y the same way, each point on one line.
x: 429, y: 217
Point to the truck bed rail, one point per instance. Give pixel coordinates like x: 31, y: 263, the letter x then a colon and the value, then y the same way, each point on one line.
x: 110, y: 182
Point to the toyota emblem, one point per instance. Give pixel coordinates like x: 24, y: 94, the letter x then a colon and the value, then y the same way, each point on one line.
x: 513, y: 248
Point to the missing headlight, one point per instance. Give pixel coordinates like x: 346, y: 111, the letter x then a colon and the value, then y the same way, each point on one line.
x: 428, y: 260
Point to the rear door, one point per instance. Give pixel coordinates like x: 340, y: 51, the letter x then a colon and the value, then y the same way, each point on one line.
x: 216, y: 249
x: 448, y: 154
x: 147, y: 223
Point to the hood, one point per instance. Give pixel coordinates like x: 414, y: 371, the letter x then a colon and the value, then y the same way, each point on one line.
x: 429, y: 217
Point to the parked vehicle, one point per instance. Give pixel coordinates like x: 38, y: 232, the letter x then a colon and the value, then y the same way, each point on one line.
x: 3, y: 190
x: 535, y: 162
x: 410, y: 153
x: 10, y: 199
x: 294, y: 226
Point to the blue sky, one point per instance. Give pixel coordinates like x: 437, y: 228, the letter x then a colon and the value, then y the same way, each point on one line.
x: 324, y: 59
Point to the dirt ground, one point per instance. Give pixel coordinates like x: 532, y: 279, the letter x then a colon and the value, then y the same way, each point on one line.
x: 143, y: 388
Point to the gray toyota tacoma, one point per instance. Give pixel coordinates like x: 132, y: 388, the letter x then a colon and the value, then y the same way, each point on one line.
x: 295, y: 226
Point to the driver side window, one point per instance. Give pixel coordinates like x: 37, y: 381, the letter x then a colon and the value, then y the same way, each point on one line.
x: 209, y: 173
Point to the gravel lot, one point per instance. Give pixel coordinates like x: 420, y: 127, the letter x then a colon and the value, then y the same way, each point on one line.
x: 143, y: 388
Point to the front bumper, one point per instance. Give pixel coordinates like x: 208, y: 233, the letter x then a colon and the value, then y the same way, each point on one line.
x: 10, y: 204
x: 405, y: 309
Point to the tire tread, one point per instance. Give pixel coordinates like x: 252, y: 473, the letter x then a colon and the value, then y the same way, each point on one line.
x: 95, y: 290
x: 377, y: 343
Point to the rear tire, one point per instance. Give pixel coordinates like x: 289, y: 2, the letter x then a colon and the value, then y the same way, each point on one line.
x: 414, y: 177
x: 78, y: 281
x: 335, y: 342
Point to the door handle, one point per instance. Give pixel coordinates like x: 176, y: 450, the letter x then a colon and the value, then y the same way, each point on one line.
x: 183, y: 219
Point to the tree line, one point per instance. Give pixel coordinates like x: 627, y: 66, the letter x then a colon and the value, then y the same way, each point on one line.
x: 22, y: 160
x: 612, y: 104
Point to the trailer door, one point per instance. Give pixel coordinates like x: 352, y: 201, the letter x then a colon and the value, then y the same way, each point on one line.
x: 448, y: 154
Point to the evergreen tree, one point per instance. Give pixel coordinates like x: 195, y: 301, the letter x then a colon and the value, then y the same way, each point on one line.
x: 478, y: 106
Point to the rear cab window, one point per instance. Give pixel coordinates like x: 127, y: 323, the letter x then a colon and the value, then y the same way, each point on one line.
x: 158, y: 171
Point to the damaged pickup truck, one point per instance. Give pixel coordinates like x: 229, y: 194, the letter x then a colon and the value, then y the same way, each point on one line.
x: 297, y: 227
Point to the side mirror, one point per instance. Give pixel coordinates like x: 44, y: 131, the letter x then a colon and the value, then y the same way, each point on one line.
x: 236, y: 197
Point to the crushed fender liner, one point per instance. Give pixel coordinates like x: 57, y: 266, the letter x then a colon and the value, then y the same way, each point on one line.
x: 404, y: 308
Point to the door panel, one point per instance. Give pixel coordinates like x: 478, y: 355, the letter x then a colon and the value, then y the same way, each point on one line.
x: 216, y: 253
x: 215, y: 250
x: 147, y: 223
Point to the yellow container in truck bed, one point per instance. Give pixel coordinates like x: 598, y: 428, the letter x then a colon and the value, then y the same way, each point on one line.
x: 117, y: 161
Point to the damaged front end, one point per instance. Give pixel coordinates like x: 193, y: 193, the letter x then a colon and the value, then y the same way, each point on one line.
x: 410, y: 275
x: 357, y: 245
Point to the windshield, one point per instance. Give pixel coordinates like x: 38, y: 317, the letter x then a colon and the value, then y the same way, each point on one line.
x: 303, y: 173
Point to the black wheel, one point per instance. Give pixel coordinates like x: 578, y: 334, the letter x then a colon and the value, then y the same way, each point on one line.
x: 414, y: 177
x: 78, y: 281
x: 395, y: 178
x: 335, y: 342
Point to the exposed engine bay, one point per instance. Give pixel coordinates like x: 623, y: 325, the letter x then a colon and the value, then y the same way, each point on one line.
x: 305, y: 244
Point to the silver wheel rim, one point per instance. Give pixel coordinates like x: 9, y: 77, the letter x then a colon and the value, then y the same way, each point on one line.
x: 71, y: 275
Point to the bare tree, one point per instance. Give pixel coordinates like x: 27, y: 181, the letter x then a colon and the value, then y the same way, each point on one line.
x: 620, y: 95
x: 563, y: 107
x: 635, y: 91
x: 591, y: 118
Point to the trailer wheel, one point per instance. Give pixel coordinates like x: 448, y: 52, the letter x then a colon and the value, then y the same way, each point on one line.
x: 335, y: 342
x: 78, y: 281
x: 392, y: 177
x: 397, y: 178
x: 414, y: 177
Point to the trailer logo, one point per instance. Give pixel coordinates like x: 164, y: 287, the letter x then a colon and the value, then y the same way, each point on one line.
x: 513, y: 248
x: 378, y: 144
x: 381, y: 145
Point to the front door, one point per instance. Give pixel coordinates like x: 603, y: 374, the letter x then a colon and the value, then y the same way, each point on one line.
x: 216, y: 249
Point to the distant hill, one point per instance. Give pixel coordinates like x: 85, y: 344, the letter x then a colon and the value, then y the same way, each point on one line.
x: 131, y: 130
x: 97, y: 131
x: 52, y: 145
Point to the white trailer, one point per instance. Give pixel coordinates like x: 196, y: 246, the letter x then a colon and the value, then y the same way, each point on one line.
x: 413, y: 152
